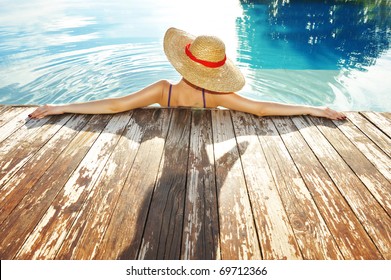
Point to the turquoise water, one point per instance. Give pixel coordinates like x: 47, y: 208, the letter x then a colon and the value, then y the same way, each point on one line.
x: 310, y: 52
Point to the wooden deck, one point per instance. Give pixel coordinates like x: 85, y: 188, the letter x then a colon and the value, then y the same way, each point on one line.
x: 194, y: 184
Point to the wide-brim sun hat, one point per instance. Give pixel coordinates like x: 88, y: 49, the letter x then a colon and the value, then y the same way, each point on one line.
x: 202, y: 61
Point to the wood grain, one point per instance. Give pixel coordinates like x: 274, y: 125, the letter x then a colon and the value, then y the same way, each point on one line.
x: 123, y: 235
x: 309, y: 227
x: 371, y: 131
x: 275, y: 233
x: 201, y: 228
x: 238, y: 234
x: 381, y: 121
x: 29, y: 163
x: 194, y: 184
x: 13, y: 121
x: 60, y: 216
x: 22, y: 221
x: 370, y: 150
x: 350, y: 236
x: 163, y: 229
x: 371, y: 215
x: 29, y: 140
x: 375, y: 182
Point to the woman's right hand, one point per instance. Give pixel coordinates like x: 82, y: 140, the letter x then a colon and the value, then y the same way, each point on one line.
x: 46, y: 110
x: 326, y: 112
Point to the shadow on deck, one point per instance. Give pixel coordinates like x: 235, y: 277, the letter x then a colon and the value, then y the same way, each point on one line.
x: 194, y: 184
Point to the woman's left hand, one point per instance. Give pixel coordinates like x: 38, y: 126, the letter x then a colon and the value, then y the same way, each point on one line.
x: 46, y: 110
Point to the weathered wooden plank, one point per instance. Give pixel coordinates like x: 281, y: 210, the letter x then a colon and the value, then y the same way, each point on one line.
x: 89, y: 226
x: 383, y: 123
x: 86, y: 236
x: 238, y: 234
x: 16, y: 122
x: 21, y: 222
x: 275, y: 233
x: 3, y: 114
x: 376, y: 183
x: 312, y: 234
x: 109, y: 215
x: 8, y: 113
x: 371, y: 151
x: 51, y: 231
x: 373, y: 133
x: 17, y: 149
x: 371, y: 215
x: 201, y: 228
x: 3, y: 108
x: 123, y: 235
x: 163, y: 230
x: 349, y: 234
x: 25, y: 132
x: 25, y: 178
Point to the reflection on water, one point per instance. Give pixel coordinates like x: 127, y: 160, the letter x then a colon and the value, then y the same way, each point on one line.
x: 311, y: 52
x: 67, y: 50
x: 326, y: 52
x: 321, y: 35
x: 87, y: 74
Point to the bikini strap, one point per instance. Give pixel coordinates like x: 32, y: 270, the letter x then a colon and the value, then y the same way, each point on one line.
x: 169, y: 96
x: 203, y: 97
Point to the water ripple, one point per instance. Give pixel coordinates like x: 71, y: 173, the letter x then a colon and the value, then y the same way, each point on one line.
x: 89, y: 74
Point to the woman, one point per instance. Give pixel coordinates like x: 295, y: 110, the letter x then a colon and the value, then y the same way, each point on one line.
x: 209, y: 80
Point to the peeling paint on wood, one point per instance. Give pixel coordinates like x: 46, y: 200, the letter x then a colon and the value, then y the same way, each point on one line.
x: 348, y: 233
x: 372, y: 132
x: 16, y: 122
x: 375, y: 182
x: 31, y: 209
x: 123, y: 236
x: 200, y: 230
x: 371, y: 151
x: 276, y: 236
x: 163, y: 228
x: 75, y: 191
x: 382, y: 122
x: 371, y: 215
x: 193, y: 184
x: 237, y: 230
x: 39, y: 159
x: 311, y: 232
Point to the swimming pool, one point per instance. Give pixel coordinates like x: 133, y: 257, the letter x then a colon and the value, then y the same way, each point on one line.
x: 334, y: 53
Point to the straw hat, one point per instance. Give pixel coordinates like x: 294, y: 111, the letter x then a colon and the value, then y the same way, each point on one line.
x: 202, y: 61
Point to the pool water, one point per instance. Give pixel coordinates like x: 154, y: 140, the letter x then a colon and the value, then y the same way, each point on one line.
x: 334, y: 53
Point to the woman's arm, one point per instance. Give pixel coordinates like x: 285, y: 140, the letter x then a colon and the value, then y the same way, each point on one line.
x: 236, y: 102
x: 147, y: 96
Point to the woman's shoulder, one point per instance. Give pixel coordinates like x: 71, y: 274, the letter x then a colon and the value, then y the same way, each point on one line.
x: 164, y: 82
x: 164, y: 86
x: 221, y: 98
x: 161, y: 83
x: 158, y: 87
